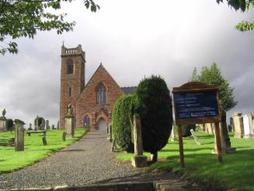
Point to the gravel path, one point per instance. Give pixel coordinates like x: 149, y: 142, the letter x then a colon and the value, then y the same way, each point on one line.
x: 88, y: 161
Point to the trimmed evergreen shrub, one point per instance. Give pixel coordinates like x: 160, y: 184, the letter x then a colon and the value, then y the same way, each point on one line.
x: 155, y: 109
x: 122, y: 122
x: 9, y: 125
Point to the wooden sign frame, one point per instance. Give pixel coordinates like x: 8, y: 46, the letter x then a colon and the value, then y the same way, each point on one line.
x: 198, y: 87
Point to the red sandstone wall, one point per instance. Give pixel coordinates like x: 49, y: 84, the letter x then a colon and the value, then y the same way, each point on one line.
x: 86, y: 103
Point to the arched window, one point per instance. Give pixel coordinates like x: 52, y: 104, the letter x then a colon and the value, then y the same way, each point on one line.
x: 69, y: 66
x: 86, y: 121
x: 100, y: 94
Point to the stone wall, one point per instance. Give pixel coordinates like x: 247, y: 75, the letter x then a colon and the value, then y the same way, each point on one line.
x: 86, y: 103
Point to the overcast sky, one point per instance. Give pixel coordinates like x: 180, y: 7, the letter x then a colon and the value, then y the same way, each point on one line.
x: 133, y: 39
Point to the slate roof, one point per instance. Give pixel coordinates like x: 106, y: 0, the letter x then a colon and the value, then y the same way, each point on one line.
x: 129, y: 90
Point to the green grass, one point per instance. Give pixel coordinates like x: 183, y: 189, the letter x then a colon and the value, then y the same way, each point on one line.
x: 11, y: 160
x: 237, y: 170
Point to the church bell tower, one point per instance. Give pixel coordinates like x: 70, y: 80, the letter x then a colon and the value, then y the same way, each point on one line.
x: 72, y: 78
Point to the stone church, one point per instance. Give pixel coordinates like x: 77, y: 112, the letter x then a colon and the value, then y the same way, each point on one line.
x: 92, y: 102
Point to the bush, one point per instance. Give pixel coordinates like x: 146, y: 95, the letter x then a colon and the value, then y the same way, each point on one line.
x: 155, y: 109
x: 9, y: 125
x: 122, y: 122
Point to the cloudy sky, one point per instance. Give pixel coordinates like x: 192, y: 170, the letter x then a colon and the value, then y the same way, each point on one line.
x: 132, y: 39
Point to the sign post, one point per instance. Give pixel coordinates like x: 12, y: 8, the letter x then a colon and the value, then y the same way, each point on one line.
x: 196, y: 103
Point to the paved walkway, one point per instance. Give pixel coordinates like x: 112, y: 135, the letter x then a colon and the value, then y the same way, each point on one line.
x: 88, y: 161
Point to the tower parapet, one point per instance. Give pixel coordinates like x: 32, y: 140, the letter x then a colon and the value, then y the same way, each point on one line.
x: 72, y: 51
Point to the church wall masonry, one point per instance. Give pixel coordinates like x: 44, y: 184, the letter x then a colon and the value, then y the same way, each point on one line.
x: 92, y: 101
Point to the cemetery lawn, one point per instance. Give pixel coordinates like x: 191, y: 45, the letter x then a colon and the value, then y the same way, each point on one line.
x: 11, y: 160
x: 237, y: 170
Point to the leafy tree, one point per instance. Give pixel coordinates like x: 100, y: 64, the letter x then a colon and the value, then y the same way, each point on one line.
x: 23, y: 18
x: 212, y: 75
x: 155, y: 110
x: 242, y: 5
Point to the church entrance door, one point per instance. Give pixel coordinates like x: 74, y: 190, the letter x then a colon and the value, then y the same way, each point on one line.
x: 102, y: 125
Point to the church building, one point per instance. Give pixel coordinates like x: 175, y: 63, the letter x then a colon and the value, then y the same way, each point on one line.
x: 92, y: 102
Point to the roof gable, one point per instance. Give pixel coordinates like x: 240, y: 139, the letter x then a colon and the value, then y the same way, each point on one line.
x: 100, y: 75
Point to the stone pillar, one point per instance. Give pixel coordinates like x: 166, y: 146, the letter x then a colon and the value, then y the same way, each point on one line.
x: 69, y: 125
x: 238, y: 125
x: 139, y: 160
x: 19, y: 136
x: 69, y: 122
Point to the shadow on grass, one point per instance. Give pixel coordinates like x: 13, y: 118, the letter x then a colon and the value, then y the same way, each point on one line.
x: 236, y: 171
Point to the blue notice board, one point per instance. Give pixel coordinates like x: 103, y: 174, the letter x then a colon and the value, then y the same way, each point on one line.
x: 193, y: 105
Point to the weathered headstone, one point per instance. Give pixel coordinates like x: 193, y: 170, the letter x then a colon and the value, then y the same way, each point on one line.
x: 246, y: 127
x: 19, y: 136
x: 36, y: 123
x: 30, y: 126
x: 42, y: 123
x: 250, y: 117
x: 139, y: 160
x: 225, y: 139
x: 195, y: 137
x: 238, y: 125
x: 3, y: 121
x: 69, y: 122
x: 47, y: 124
x: 209, y: 128
x: 57, y: 125
x: 53, y: 127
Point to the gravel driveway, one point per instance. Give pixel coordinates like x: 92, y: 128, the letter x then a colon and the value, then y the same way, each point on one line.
x: 90, y: 160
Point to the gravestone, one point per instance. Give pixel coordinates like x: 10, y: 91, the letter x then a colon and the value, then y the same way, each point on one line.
x: 69, y: 122
x: 139, y: 160
x: 57, y: 125
x: 225, y: 139
x: 209, y: 128
x: 3, y: 121
x: 195, y: 137
x: 36, y: 123
x: 30, y: 126
x: 47, y: 124
x: 250, y: 116
x: 53, y: 127
x: 238, y: 125
x: 19, y: 136
x: 246, y: 127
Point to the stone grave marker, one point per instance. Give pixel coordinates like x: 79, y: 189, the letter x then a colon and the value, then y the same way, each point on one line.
x: 238, y: 125
x: 47, y: 124
x: 19, y: 136
x: 139, y: 160
x: 3, y: 121
x: 69, y: 122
